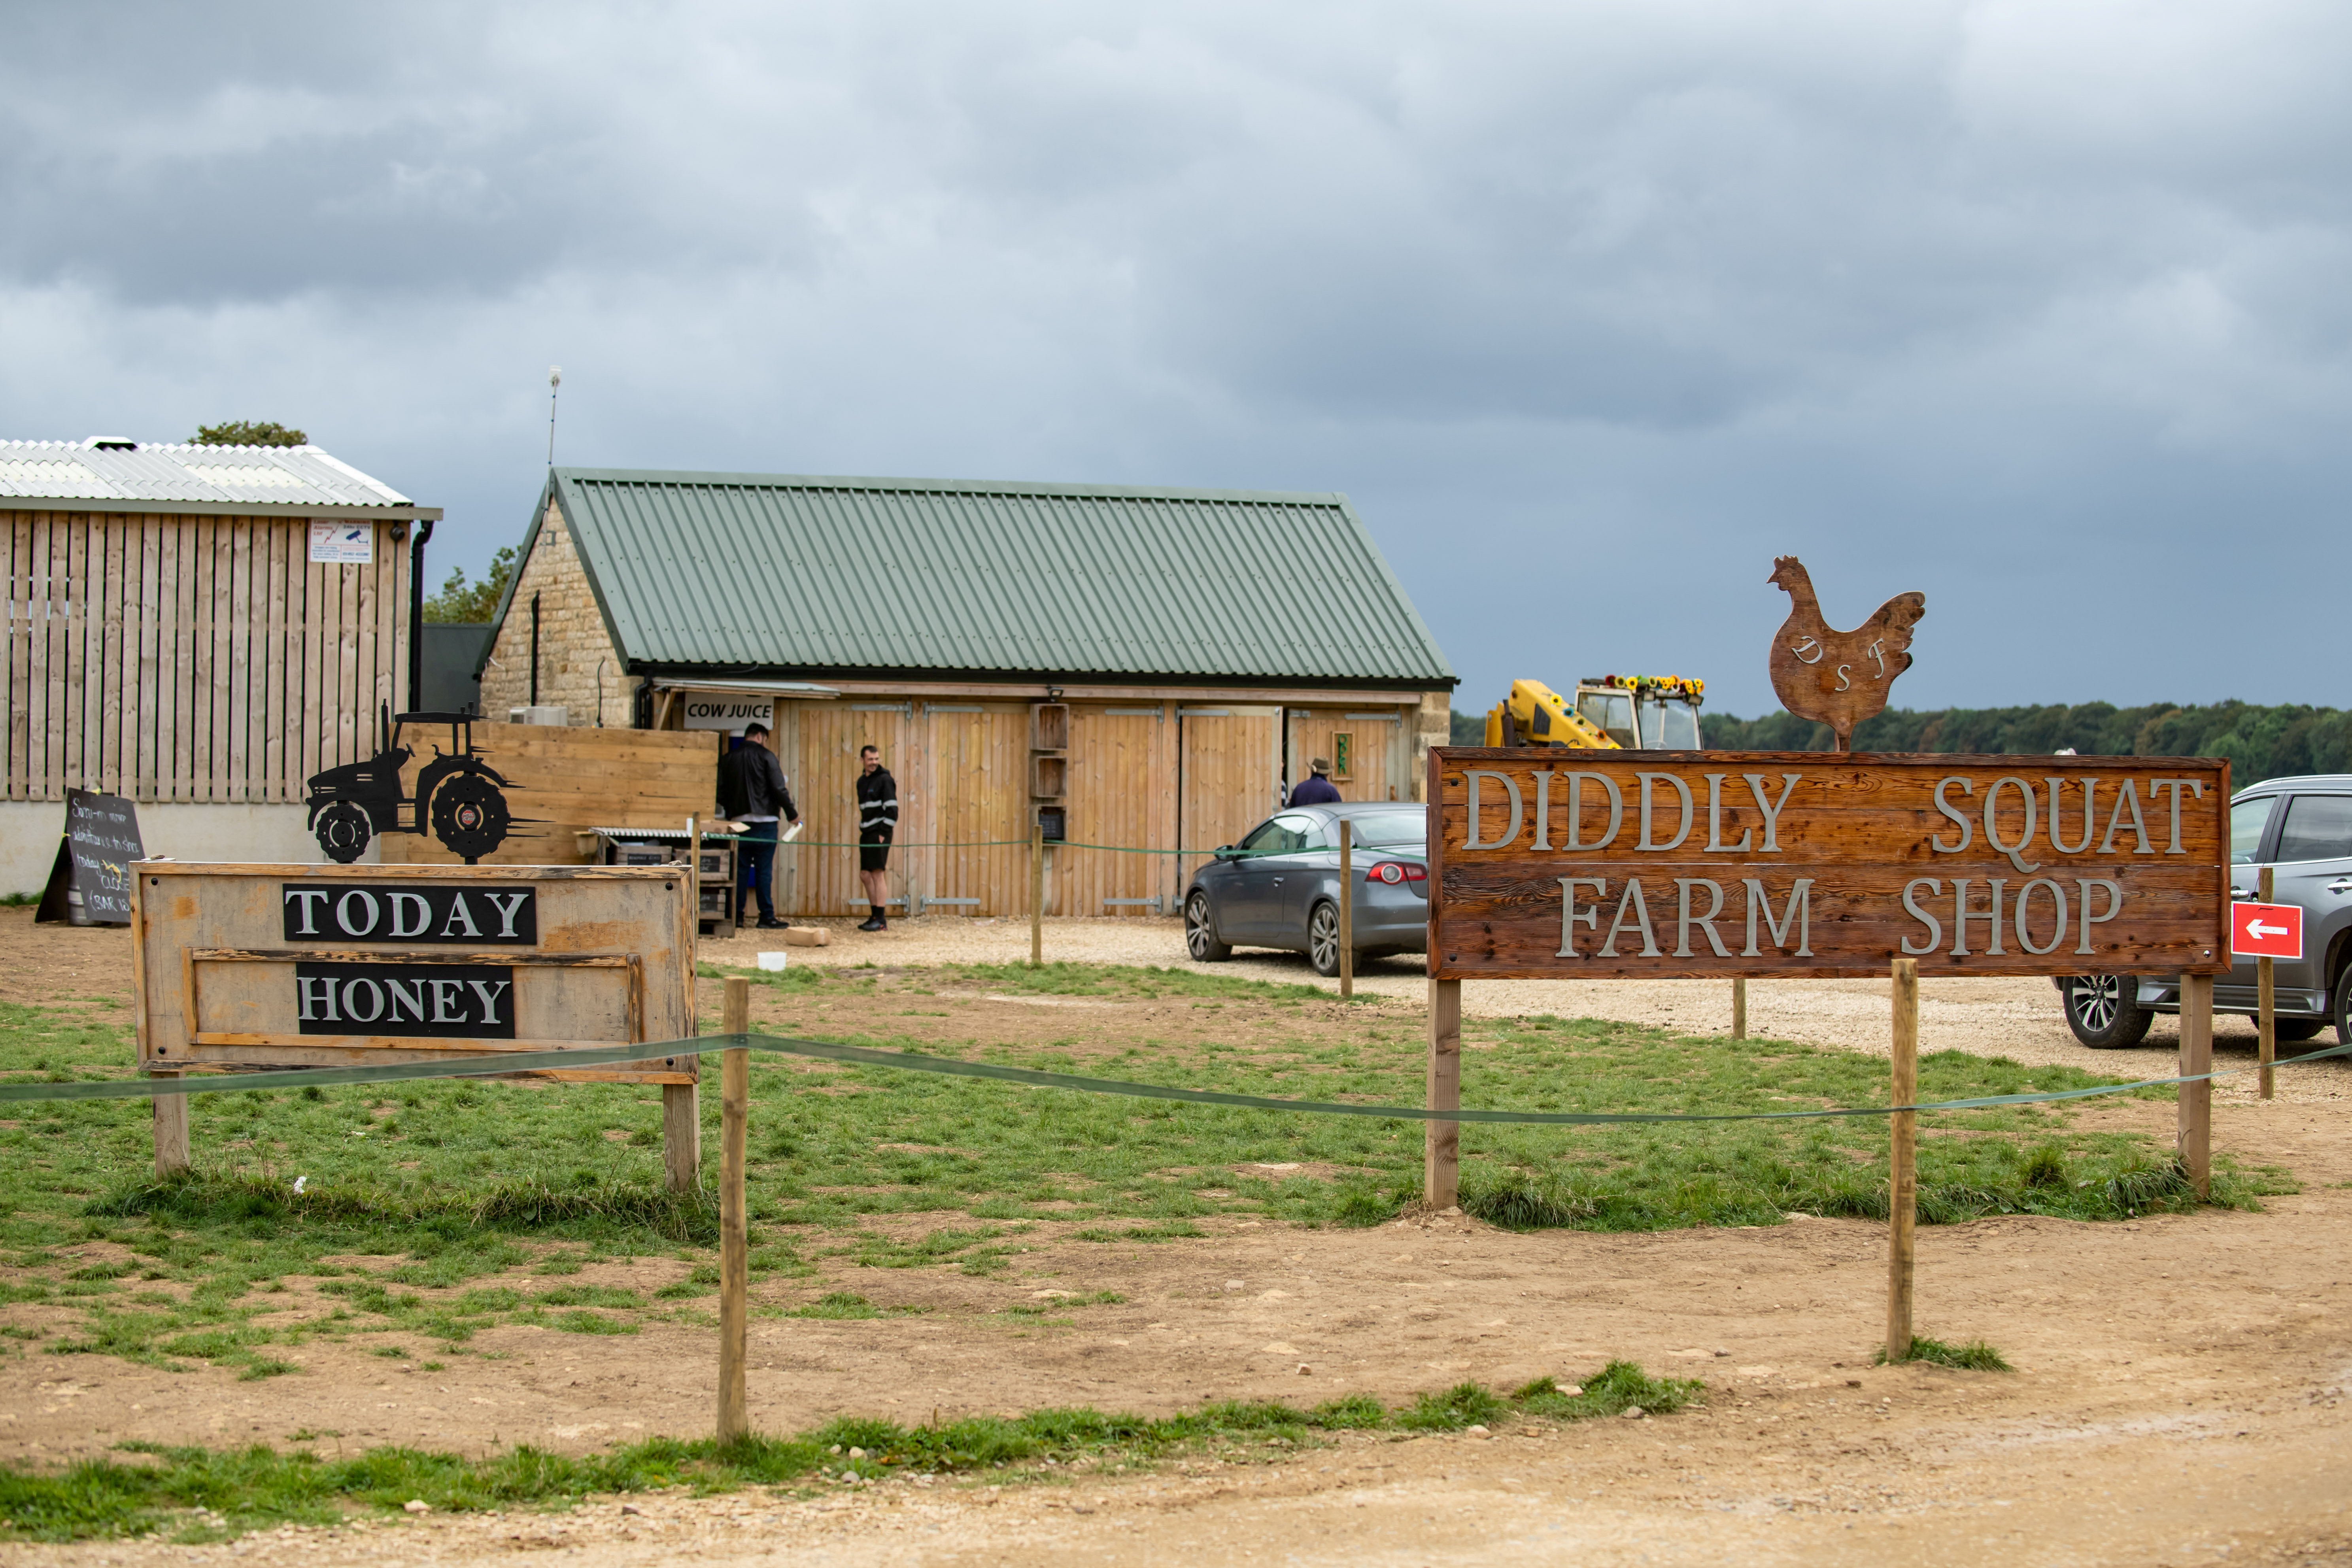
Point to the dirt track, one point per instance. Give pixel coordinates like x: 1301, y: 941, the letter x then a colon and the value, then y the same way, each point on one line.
x: 2178, y: 1397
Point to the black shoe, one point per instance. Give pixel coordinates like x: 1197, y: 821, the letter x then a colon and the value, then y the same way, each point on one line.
x: 766, y: 924
x: 871, y: 923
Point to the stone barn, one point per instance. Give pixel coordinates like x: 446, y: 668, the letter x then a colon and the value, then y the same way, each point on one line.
x: 1134, y: 668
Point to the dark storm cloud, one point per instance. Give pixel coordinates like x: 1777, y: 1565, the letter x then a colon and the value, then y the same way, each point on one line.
x: 1593, y: 308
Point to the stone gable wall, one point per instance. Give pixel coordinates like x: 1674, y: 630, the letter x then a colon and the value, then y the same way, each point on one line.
x: 572, y: 640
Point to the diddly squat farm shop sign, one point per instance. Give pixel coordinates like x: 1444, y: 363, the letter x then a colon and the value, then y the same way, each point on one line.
x: 1807, y: 863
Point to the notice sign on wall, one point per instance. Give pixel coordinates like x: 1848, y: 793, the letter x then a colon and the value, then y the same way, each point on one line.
x: 265, y: 966
x: 717, y: 711
x: 1658, y: 865
x: 342, y: 544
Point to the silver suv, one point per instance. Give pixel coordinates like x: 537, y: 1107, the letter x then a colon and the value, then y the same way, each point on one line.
x: 2301, y: 828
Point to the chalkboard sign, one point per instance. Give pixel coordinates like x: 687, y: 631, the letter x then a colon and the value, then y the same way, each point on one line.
x: 90, y: 883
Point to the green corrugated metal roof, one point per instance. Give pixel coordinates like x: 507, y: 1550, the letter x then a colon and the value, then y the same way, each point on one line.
x: 785, y: 571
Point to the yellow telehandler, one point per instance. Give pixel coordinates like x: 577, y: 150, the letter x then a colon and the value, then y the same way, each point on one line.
x: 1633, y: 712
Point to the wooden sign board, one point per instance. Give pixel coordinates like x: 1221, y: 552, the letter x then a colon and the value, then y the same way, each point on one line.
x: 1657, y: 865
x: 91, y: 882
x: 287, y: 966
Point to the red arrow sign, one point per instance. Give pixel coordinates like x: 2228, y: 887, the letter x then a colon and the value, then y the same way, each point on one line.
x: 2266, y: 930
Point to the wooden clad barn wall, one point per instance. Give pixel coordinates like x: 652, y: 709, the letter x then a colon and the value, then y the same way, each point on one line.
x: 1232, y: 770
x: 190, y: 658
x: 1122, y: 791
x: 963, y: 772
x: 1378, y: 761
x: 567, y: 780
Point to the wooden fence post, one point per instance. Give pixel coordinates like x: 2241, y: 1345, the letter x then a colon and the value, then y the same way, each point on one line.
x: 2266, y: 1000
x: 681, y: 1102
x: 1902, y: 1178
x: 1442, y: 1151
x: 2196, y: 1137
x: 1739, y: 1008
x: 170, y: 1130
x: 1036, y: 895
x: 1347, y: 909
x: 681, y: 1135
x: 734, y: 1253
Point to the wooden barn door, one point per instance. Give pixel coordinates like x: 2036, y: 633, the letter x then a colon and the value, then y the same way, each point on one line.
x: 827, y: 737
x: 1122, y: 792
x: 978, y: 769
x: 1373, y: 763
x: 1230, y: 774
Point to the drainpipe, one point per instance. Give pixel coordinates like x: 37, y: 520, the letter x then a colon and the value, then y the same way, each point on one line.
x: 534, y: 650
x: 416, y: 612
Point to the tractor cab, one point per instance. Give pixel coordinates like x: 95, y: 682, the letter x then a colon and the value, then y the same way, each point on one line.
x: 1644, y: 713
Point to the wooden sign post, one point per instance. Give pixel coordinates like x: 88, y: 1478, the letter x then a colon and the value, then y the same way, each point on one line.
x: 1901, y: 1158
x: 1652, y: 866
x: 320, y: 966
x: 734, y: 1236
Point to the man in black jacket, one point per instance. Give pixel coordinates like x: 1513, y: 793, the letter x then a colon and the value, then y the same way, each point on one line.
x: 752, y: 790
x: 877, y: 822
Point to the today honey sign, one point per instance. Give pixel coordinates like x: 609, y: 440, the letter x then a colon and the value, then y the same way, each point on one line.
x: 1807, y: 863
x: 286, y: 966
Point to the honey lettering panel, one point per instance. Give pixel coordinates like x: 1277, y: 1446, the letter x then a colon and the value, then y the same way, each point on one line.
x: 1658, y: 865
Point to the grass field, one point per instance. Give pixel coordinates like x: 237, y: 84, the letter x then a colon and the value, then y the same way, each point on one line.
x: 424, y: 1188
x: 198, y: 1494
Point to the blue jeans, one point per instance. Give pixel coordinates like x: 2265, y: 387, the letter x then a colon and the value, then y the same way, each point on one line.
x: 756, y: 848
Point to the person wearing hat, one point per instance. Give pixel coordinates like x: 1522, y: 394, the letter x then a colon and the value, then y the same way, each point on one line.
x: 1316, y: 789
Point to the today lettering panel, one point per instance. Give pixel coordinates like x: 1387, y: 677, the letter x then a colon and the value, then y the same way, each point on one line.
x: 1657, y: 865
x: 480, y: 915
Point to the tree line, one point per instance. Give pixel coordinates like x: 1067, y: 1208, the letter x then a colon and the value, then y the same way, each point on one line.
x: 2261, y: 741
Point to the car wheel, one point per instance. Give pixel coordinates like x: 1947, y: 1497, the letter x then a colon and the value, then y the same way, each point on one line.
x: 342, y: 832
x: 2342, y: 1010
x: 1323, y: 939
x: 1200, y: 931
x: 2296, y: 1029
x: 2104, y: 1010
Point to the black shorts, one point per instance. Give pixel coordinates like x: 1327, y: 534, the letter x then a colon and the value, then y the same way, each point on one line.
x: 874, y: 853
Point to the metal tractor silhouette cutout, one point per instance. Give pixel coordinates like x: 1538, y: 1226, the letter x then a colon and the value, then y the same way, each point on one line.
x: 461, y: 797
x: 1834, y: 678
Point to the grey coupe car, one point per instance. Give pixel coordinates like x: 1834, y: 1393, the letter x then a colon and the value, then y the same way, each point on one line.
x: 1279, y: 887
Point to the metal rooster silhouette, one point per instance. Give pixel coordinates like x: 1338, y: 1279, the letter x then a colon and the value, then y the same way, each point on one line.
x: 1834, y: 678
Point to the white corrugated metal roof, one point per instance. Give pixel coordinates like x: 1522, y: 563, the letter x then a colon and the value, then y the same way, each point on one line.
x: 164, y: 473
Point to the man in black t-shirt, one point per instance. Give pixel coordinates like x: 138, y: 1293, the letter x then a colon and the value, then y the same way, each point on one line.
x: 877, y: 822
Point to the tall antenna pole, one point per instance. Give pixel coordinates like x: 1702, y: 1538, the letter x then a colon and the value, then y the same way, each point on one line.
x: 554, y: 379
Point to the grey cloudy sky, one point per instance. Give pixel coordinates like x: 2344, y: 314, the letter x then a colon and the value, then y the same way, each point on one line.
x: 2040, y: 307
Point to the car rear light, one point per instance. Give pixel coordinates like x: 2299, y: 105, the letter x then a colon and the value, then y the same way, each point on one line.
x: 1395, y: 871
